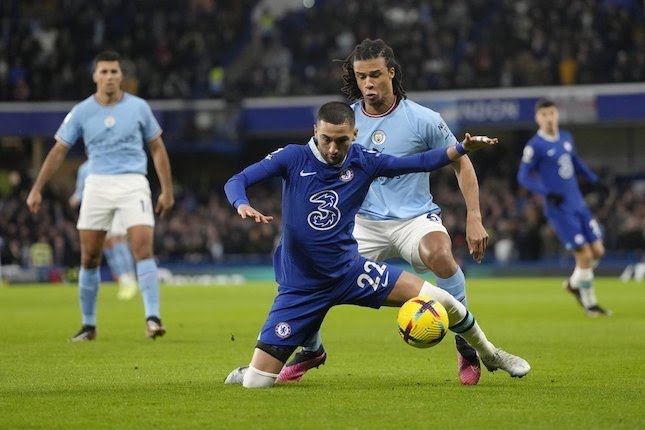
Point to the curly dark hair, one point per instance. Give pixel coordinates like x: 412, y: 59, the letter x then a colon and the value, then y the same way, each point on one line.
x: 367, y: 50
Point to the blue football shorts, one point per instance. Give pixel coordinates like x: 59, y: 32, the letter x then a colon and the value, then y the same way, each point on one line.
x: 576, y: 228
x: 296, y: 314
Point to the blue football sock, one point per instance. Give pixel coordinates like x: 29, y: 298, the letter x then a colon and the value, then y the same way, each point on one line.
x: 455, y: 285
x: 119, y: 258
x: 148, y: 275
x: 88, y: 283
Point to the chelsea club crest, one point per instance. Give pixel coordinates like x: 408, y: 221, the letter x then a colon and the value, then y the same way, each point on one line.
x: 346, y: 175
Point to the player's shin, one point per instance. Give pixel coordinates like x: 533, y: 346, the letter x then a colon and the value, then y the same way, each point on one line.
x: 88, y: 282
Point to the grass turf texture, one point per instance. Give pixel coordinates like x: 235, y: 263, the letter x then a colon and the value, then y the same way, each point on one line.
x: 587, y: 373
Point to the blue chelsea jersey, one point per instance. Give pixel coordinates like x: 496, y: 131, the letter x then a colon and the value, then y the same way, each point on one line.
x: 319, y: 203
x: 114, y: 134
x: 551, y: 166
x: 407, y: 128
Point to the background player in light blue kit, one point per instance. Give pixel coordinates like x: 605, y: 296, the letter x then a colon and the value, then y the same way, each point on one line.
x: 114, y: 126
x: 116, y: 248
x: 399, y: 217
x: 549, y: 168
x: 317, y: 265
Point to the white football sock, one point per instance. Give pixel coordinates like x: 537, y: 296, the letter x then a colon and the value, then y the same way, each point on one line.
x: 457, y: 313
x: 254, y: 378
x: 582, y: 279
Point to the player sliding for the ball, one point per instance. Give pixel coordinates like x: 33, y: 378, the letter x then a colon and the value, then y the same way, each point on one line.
x: 317, y: 264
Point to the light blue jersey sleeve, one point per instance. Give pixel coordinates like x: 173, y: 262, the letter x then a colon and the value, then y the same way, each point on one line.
x: 71, y: 129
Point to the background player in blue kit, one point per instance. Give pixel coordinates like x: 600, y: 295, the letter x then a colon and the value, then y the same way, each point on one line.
x: 116, y: 248
x: 114, y: 126
x: 549, y: 168
x: 399, y: 217
x: 317, y: 265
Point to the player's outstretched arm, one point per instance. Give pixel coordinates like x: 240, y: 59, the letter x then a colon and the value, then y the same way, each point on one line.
x: 475, y: 143
x: 247, y: 211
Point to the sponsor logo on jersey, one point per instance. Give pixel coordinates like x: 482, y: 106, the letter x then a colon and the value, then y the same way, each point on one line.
x: 326, y: 215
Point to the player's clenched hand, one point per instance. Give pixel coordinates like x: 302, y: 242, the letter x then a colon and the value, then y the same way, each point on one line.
x: 165, y: 202
x: 477, y: 239
x: 474, y: 143
x: 247, y: 211
x: 34, y: 199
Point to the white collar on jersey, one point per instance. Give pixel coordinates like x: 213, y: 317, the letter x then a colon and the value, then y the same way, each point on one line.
x: 314, y: 149
x: 548, y: 138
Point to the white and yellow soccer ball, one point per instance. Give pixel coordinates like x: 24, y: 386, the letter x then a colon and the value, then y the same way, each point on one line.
x: 423, y: 322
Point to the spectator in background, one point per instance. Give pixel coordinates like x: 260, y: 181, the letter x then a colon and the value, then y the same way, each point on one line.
x: 549, y: 168
x: 41, y: 258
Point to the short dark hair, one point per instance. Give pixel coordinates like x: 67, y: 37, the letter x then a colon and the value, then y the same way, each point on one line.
x: 106, y: 56
x: 543, y: 102
x: 366, y: 50
x: 336, y: 113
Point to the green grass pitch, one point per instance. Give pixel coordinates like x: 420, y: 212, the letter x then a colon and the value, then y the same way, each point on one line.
x: 587, y: 373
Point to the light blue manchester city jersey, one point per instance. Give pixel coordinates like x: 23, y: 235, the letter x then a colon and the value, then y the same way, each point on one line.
x: 408, y: 128
x: 114, y: 135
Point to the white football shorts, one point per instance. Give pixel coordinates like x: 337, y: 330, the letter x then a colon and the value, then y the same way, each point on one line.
x: 385, y: 239
x: 117, y: 228
x: 105, y: 196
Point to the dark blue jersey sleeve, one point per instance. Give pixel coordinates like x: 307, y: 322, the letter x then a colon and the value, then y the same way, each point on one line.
x: 526, y: 175
x: 583, y: 169
x: 272, y: 165
x: 427, y: 161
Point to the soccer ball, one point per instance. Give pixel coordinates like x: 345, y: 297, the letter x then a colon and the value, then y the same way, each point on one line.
x: 423, y: 322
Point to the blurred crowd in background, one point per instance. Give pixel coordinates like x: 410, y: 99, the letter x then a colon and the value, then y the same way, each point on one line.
x: 205, y: 228
x: 244, y: 48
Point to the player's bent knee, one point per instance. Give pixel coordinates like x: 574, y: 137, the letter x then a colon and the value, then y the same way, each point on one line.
x: 281, y: 353
x: 254, y: 378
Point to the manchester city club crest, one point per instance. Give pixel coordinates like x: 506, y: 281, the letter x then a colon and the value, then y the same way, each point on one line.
x: 109, y: 121
x: 378, y: 137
